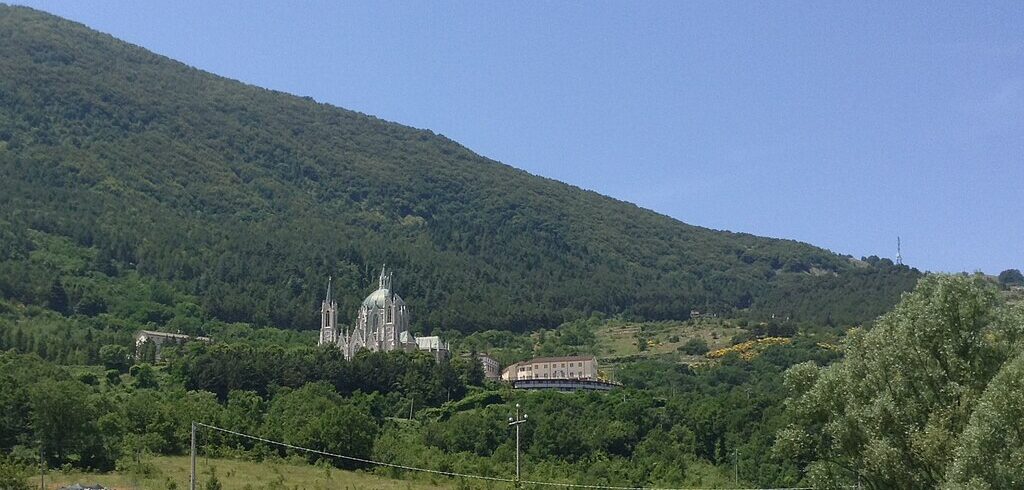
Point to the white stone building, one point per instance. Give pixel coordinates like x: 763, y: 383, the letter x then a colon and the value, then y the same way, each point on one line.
x: 382, y: 324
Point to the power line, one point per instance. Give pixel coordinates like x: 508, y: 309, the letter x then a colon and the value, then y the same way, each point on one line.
x: 464, y: 475
x: 353, y: 458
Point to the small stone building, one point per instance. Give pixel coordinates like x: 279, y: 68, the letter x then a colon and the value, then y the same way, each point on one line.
x: 161, y: 339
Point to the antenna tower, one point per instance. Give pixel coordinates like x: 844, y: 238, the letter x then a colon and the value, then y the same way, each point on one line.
x: 899, y: 251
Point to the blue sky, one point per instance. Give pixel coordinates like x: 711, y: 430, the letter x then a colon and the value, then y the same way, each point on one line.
x: 842, y: 124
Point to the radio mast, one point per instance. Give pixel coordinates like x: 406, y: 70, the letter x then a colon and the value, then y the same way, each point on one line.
x: 899, y: 251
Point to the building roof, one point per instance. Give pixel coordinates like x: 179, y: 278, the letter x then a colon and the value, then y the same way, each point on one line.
x: 558, y: 359
x: 431, y: 343
x: 168, y: 335
x: 379, y: 298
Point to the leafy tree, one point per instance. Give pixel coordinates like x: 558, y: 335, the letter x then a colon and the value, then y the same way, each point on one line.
x: 115, y: 357
x: 892, y: 411
x: 58, y: 299
x: 990, y: 451
x: 244, y: 412
x: 12, y: 475
x: 145, y: 376
x: 62, y: 418
x: 315, y: 416
x: 14, y: 406
x: 1011, y: 277
x: 470, y: 370
x: 695, y: 346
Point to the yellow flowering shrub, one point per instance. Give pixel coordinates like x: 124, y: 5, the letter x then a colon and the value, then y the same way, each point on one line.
x: 749, y: 349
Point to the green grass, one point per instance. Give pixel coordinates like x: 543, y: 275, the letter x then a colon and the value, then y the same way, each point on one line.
x: 164, y: 472
x: 618, y: 341
x: 171, y: 472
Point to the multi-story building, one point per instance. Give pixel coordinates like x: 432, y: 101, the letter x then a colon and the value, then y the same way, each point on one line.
x: 492, y: 369
x: 567, y: 367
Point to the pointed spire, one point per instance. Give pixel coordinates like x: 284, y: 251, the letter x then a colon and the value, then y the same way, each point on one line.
x: 380, y: 280
x: 328, y: 299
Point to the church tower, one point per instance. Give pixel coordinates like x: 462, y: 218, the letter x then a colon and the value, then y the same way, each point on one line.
x: 328, y: 319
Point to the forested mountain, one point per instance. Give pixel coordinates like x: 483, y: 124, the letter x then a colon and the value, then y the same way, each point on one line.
x: 247, y: 199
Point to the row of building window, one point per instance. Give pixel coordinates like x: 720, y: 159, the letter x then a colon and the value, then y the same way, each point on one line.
x: 530, y: 368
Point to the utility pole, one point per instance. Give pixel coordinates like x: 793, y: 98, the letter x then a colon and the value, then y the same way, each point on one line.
x: 410, y: 408
x: 736, y: 464
x: 42, y: 467
x: 517, y: 421
x: 192, y: 476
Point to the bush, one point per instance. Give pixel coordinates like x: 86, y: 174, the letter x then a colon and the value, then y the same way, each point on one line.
x: 12, y: 476
x: 115, y: 357
x: 694, y: 347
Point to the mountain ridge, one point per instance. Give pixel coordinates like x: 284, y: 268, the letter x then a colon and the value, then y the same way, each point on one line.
x: 249, y: 198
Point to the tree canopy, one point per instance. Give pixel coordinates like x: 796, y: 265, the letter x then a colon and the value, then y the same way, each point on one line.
x: 1011, y: 277
x: 908, y: 405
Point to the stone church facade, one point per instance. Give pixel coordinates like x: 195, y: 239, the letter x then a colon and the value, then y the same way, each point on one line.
x: 382, y: 323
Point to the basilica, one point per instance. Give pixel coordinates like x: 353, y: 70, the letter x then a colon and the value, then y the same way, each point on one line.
x: 382, y: 324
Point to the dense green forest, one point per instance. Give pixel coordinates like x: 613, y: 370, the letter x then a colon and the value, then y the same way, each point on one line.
x: 247, y: 200
x: 928, y: 397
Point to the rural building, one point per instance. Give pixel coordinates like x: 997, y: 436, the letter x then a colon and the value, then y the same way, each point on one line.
x: 492, y: 369
x: 567, y: 367
x: 160, y: 339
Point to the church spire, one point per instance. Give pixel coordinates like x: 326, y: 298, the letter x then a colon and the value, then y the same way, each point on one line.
x: 328, y: 298
x: 384, y: 282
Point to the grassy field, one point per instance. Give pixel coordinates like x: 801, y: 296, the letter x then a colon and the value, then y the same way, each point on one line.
x: 171, y: 472
x: 619, y: 341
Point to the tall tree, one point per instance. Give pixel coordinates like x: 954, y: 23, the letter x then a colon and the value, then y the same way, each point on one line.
x: 115, y: 357
x: 62, y: 419
x: 1011, y: 277
x: 892, y: 412
x: 58, y: 299
x: 990, y: 452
